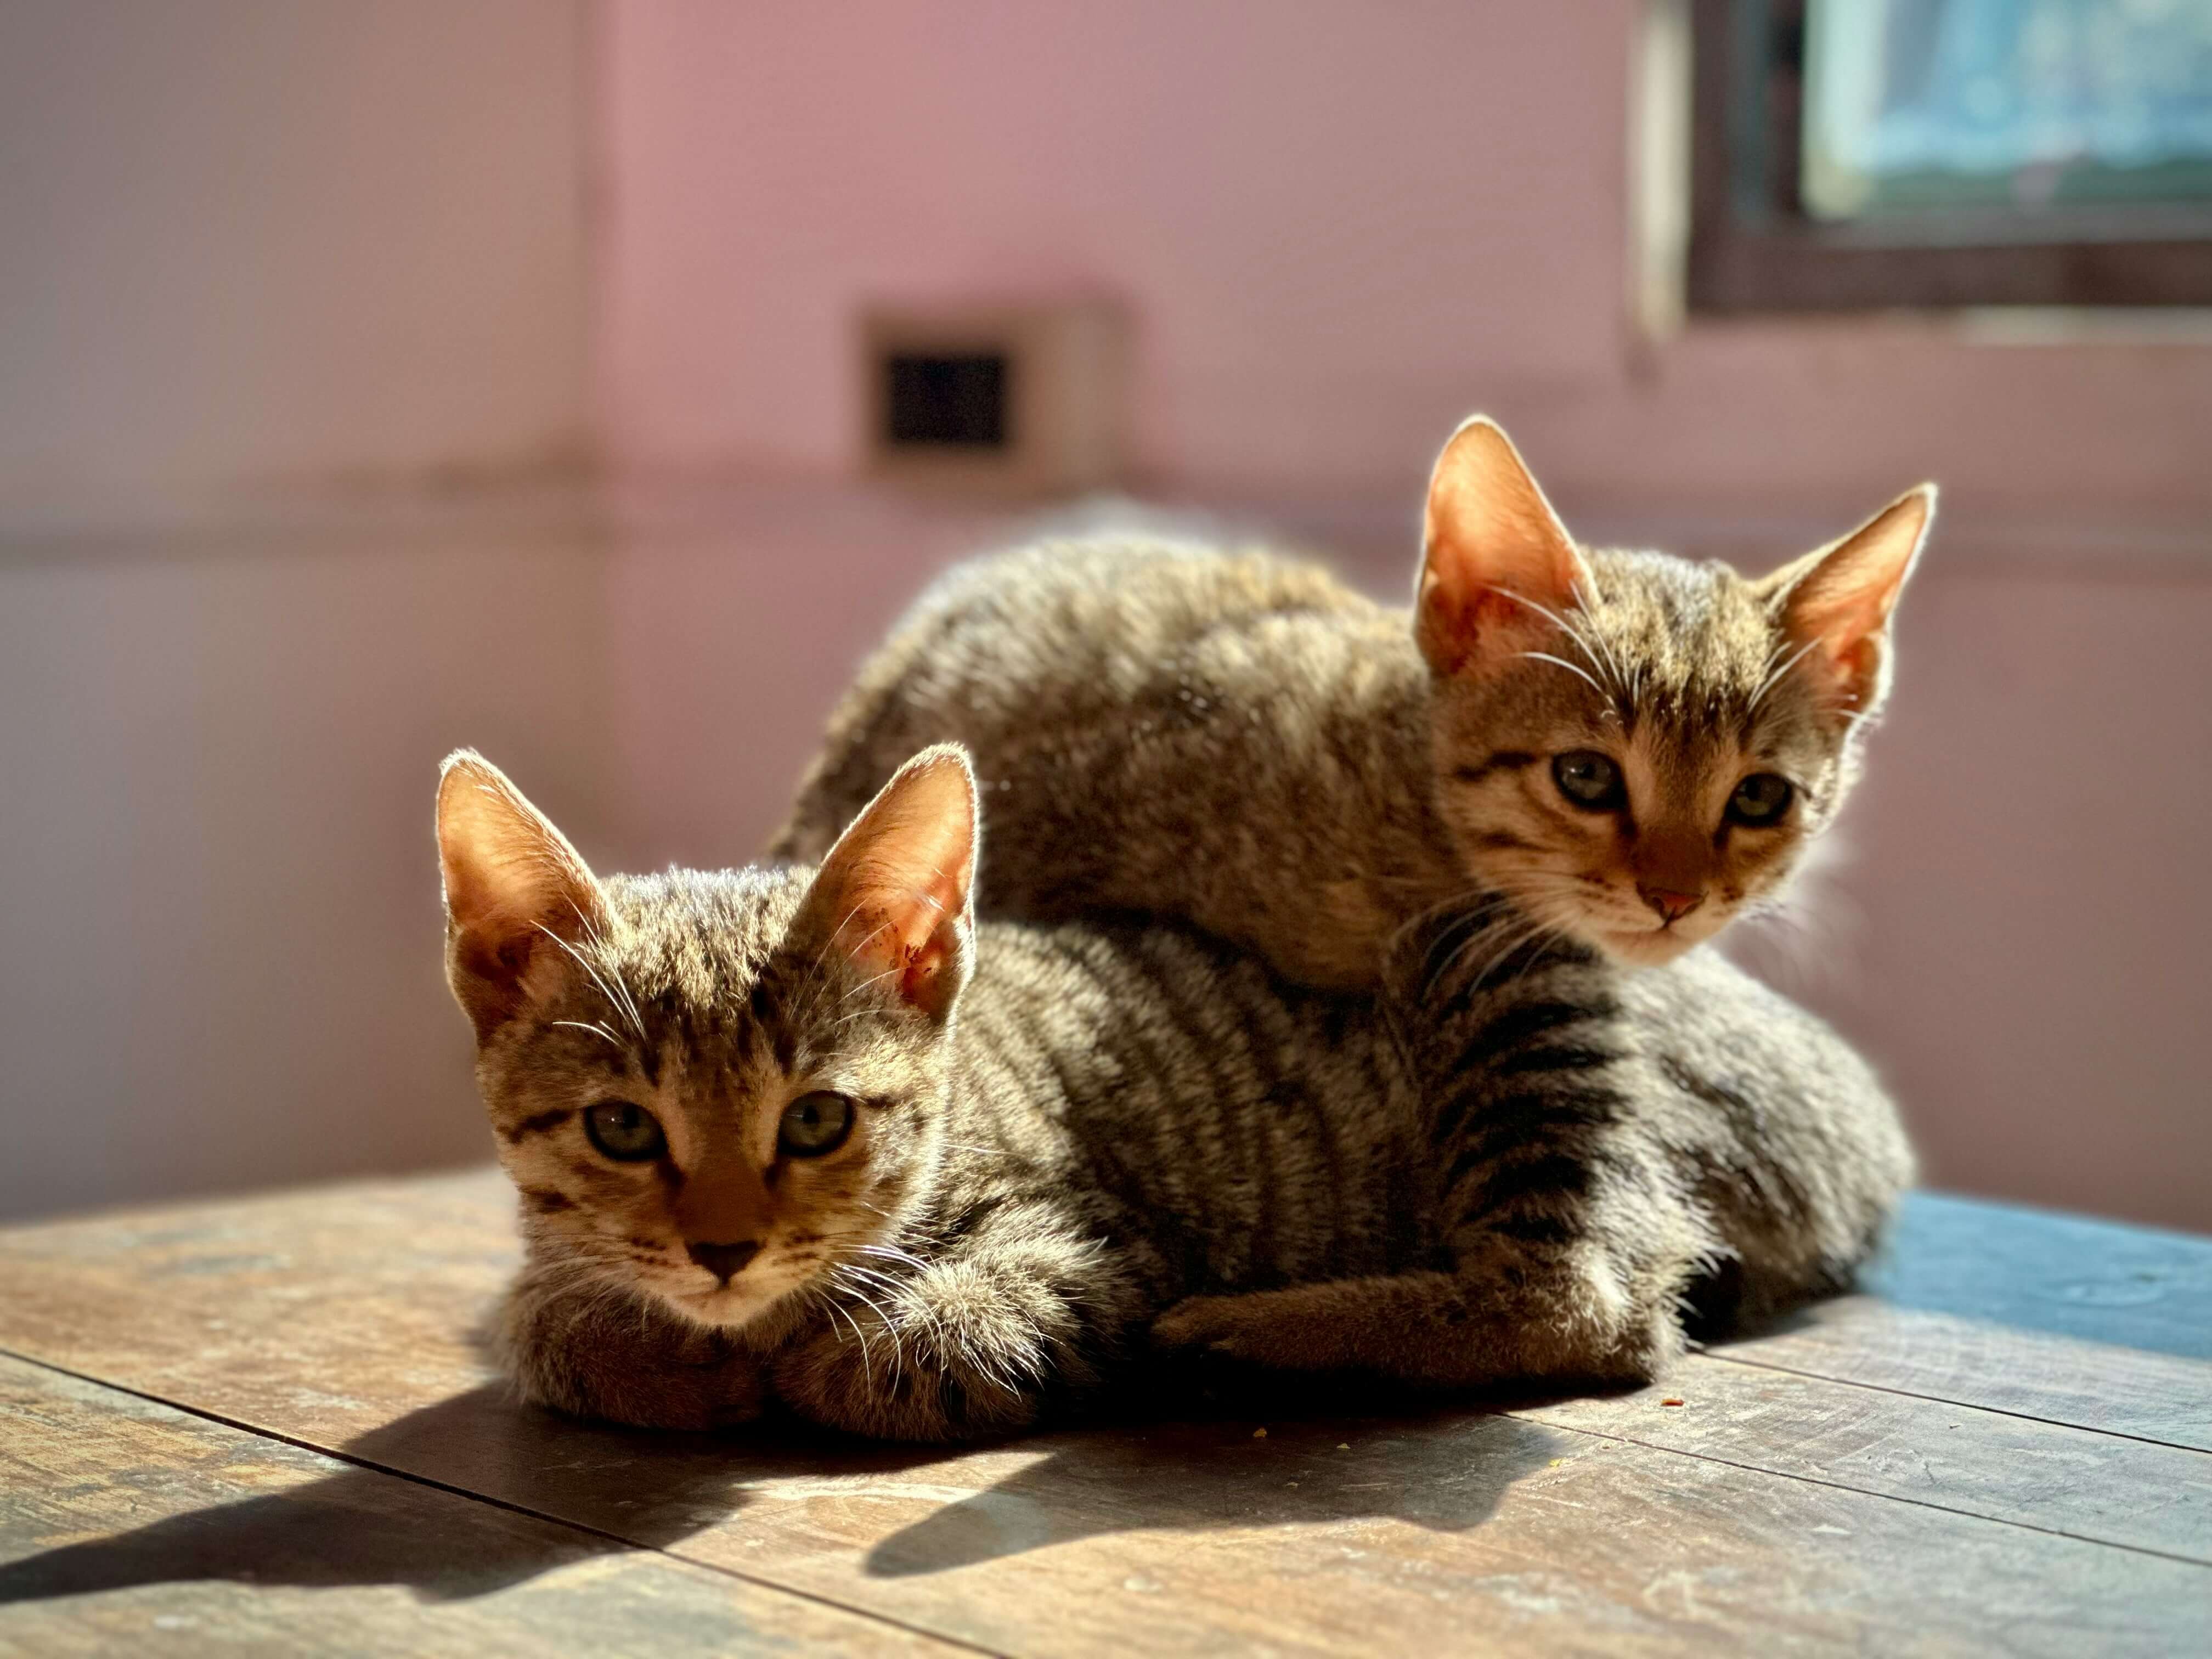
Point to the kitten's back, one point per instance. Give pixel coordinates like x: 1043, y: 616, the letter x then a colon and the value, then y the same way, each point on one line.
x: 1163, y: 727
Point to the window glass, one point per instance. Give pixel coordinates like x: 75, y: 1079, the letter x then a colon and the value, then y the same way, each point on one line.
x: 1913, y: 106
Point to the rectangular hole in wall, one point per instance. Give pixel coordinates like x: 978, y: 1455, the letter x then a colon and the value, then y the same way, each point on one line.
x: 952, y: 399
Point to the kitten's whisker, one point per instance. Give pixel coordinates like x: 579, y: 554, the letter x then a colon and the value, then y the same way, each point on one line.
x: 1532, y: 933
x: 1546, y: 656
x: 890, y: 1283
x: 1583, y: 641
x: 622, y: 1006
x: 897, y: 1359
x: 1775, y: 678
x: 1497, y: 908
x: 894, y: 1252
x: 867, y: 1363
x: 1588, y: 633
x: 595, y: 1029
x: 903, y: 1294
x: 818, y: 971
x: 864, y: 984
x: 599, y: 943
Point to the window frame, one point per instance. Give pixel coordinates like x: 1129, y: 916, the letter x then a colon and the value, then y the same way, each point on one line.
x: 1753, y: 250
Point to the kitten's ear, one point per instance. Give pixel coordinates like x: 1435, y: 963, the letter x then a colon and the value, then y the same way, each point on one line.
x: 1834, y: 606
x: 896, y: 892
x: 511, y: 879
x: 1488, y: 535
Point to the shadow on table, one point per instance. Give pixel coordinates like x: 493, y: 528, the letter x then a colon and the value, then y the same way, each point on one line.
x: 574, y: 1491
x: 362, y: 1526
x: 1444, y: 1470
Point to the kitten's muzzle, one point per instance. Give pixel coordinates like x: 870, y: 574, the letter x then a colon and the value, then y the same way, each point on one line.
x: 1671, y: 904
x: 725, y: 1262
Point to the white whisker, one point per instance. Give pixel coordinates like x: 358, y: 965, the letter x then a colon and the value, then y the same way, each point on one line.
x: 622, y: 1005
x: 1546, y: 656
x: 1775, y: 677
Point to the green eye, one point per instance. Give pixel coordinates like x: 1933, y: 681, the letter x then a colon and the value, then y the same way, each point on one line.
x: 625, y: 1132
x: 1760, y: 798
x: 814, y: 1124
x: 1590, y: 780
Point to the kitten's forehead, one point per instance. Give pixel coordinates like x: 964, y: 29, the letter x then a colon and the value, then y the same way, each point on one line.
x: 700, y: 936
x: 1678, y: 659
x: 1700, y: 639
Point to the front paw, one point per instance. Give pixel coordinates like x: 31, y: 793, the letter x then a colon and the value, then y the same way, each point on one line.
x: 712, y: 1385
x: 704, y: 1383
x: 950, y: 1356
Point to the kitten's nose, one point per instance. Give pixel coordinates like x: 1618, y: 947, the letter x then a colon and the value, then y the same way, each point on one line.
x: 1671, y: 905
x: 725, y: 1262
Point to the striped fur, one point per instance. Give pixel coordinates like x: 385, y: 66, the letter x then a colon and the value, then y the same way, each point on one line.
x: 1244, y: 742
x: 1119, y: 1141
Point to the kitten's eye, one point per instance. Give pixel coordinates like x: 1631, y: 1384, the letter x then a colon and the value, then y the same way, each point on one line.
x: 626, y: 1132
x: 814, y: 1124
x: 1589, y: 778
x: 1760, y: 798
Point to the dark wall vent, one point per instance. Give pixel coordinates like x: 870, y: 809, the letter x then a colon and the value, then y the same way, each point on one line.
x: 1020, y: 400
x: 944, y: 398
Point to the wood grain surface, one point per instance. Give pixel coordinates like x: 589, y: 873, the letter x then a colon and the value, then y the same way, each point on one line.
x: 2003, y: 1447
x: 127, y: 1525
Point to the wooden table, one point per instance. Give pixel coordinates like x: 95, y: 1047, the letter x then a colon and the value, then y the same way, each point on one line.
x: 264, y: 1424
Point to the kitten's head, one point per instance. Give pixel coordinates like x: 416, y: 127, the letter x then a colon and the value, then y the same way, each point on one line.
x: 1633, y: 747
x: 718, y: 1089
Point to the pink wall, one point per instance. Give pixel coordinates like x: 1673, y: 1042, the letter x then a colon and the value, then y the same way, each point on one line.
x: 251, y: 249
x: 2024, y: 921
x: 1261, y: 183
x: 1339, y: 226
x: 247, y: 243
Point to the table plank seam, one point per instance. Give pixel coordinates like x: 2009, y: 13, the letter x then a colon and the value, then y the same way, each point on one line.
x: 262, y: 1431
x: 1527, y: 1416
x: 1945, y: 1400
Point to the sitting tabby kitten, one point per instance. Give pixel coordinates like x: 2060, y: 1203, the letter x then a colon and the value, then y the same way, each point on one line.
x: 817, y: 1137
x: 1631, y: 747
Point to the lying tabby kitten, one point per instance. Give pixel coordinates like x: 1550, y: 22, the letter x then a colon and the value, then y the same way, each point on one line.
x: 818, y: 1137
x: 1631, y: 747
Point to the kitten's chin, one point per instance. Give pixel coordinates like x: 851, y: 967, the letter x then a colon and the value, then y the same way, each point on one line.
x: 1648, y: 948
x: 727, y: 1308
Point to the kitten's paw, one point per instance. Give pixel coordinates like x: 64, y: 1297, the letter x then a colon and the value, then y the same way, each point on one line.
x: 695, y: 1386
x: 719, y: 1387
x: 960, y: 1352
x: 1218, y: 1324
x: 910, y: 1387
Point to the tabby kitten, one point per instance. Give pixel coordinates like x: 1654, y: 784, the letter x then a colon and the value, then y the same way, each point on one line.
x: 1633, y: 748
x: 818, y: 1138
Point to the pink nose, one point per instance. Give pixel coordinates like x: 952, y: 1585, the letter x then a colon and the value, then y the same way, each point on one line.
x: 1671, y: 905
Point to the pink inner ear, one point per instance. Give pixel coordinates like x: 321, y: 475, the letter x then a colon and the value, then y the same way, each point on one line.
x: 1847, y: 622
x: 1853, y: 667
x: 894, y: 888
x: 924, y: 962
x: 1462, y: 623
x: 903, y: 932
x: 1844, y: 601
x: 1496, y: 557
